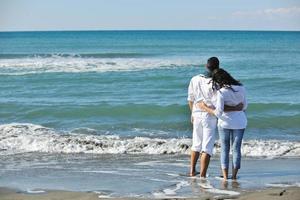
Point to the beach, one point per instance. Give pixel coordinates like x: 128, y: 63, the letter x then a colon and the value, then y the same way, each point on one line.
x: 292, y: 193
x: 140, y: 176
x: 85, y: 114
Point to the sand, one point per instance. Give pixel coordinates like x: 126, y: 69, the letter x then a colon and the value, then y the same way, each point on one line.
x: 9, y: 194
x: 291, y: 193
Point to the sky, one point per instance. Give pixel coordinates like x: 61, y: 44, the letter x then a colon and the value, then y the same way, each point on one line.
x: 36, y: 15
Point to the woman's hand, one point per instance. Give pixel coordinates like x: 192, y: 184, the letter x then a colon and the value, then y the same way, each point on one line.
x: 205, y: 108
x: 201, y: 105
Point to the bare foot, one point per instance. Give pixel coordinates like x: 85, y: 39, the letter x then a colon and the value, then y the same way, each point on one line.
x: 193, y: 173
x: 235, y: 184
x: 224, y: 184
x: 224, y: 178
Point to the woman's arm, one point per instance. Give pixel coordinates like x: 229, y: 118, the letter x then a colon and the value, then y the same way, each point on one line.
x: 204, y: 107
x: 218, y: 112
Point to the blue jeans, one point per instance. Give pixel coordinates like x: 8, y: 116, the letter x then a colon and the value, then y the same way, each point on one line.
x: 235, y: 136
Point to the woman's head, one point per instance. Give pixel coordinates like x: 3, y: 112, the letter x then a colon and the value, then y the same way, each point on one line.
x: 222, y: 79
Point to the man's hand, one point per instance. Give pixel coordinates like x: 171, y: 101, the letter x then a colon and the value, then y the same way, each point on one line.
x: 192, y: 119
x: 239, y: 107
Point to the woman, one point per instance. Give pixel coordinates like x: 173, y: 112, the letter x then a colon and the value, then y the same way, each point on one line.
x: 231, y: 125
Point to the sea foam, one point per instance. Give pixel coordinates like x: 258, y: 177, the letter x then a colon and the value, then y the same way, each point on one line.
x: 73, y: 64
x: 22, y: 138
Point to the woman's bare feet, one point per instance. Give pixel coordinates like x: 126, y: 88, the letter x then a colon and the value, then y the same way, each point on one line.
x: 235, y: 184
x: 234, y: 173
x: 224, y: 184
x: 225, y: 174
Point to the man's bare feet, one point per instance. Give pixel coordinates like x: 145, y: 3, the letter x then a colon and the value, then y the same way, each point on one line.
x: 205, y: 158
x: 193, y: 173
x: 194, y: 159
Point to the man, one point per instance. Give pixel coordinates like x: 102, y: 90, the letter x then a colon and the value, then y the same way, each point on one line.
x: 204, y: 124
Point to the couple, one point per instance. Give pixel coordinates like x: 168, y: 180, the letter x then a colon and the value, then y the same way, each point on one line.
x: 216, y: 99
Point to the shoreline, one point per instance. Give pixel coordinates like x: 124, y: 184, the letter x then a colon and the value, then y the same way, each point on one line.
x: 41, y: 176
x: 271, y: 193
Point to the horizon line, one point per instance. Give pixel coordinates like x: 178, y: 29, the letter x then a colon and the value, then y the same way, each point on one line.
x: 83, y: 30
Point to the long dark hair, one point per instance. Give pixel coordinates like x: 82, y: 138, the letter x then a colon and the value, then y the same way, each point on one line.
x: 222, y: 79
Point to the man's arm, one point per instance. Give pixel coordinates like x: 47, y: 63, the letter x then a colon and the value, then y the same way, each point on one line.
x: 191, y: 98
x: 238, y: 107
x: 191, y: 104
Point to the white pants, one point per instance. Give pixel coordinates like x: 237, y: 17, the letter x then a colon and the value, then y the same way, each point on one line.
x: 204, y: 130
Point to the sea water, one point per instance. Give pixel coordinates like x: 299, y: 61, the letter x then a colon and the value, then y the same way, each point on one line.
x: 124, y: 93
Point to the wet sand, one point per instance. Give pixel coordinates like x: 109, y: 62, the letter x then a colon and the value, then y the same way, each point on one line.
x: 10, y: 194
x: 291, y: 193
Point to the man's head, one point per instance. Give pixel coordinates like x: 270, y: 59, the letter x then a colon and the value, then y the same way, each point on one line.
x: 212, y: 64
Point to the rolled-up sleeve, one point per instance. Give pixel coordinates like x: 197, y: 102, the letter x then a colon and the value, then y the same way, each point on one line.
x: 191, y: 95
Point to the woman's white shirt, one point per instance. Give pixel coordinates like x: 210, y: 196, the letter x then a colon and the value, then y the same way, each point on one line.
x: 227, y: 96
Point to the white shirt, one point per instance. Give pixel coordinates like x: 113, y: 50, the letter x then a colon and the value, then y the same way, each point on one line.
x: 200, y: 88
x: 235, y: 119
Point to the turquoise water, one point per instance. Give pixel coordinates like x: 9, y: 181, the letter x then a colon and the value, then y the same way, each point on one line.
x: 122, y: 82
x: 134, y: 83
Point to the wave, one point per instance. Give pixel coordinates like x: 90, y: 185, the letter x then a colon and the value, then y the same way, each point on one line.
x: 23, y: 138
x: 81, y: 55
x: 133, y: 111
x: 253, y: 107
x: 273, y: 115
x: 73, y: 64
x: 164, y: 117
x: 94, y: 109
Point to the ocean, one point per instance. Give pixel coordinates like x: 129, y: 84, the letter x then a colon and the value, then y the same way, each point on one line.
x: 90, y: 96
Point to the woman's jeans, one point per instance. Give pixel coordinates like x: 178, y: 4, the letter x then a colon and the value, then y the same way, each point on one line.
x: 233, y: 136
